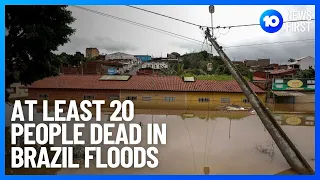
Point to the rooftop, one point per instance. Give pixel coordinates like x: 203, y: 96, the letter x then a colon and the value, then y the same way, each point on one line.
x: 143, y: 83
x: 282, y: 71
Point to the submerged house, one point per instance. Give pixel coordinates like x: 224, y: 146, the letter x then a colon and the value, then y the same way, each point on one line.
x: 294, y: 94
x: 149, y: 92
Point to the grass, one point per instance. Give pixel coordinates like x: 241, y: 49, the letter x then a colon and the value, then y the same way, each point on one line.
x: 217, y: 77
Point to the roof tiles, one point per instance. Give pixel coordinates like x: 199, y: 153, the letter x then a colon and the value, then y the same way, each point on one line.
x: 142, y: 83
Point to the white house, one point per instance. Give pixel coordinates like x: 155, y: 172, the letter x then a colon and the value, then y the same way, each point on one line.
x: 155, y: 65
x: 159, y: 63
x: 302, y: 63
x: 127, y: 60
x: 119, y: 56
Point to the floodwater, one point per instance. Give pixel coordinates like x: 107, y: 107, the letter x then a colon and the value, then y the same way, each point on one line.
x: 226, y: 142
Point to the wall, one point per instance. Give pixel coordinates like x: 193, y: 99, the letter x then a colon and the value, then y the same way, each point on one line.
x: 144, y: 58
x: 306, y: 62
x: 18, y: 91
x: 119, y: 56
x: 155, y: 65
x: 157, y: 99
x: 309, y: 98
x: 78, y: 95
x: 149, y: 99
x: 92, y: 52
x: 186, y: 100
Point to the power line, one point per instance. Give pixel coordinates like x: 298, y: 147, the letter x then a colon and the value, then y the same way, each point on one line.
x: 272, y: 43
x: 257, y: 24
x: 141, y: 25
x: 216, y: 27
x: 166, y: 16
x: 198, y: 42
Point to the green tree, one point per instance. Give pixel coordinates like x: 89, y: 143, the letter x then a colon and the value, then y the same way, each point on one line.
x: 32, y: 34
x: 176, y: 54
x: 307, y: 73
x: 291, y: 60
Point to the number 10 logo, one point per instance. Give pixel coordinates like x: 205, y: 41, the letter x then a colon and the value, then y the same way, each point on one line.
x: 271, y: 21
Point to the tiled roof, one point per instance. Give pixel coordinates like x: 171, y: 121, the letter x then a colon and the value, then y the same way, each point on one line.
x: 283, y: 71
x: 143, y: 83
x: 259, y: 78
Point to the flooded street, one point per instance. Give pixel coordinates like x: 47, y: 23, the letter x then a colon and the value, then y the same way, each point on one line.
x: 226, y: 142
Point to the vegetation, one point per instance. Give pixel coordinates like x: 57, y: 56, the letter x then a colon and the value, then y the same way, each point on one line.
x: 308, y: 73
x: 291, y: 60
x: 195, y: 64
x: 32, y: 34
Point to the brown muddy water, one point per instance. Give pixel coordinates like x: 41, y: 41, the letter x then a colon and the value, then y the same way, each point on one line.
x: 226, y: 142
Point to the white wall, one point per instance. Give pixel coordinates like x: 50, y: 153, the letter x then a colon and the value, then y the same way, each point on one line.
x: 119, y: 56
x: 155, y: 65
x: 306, y: 62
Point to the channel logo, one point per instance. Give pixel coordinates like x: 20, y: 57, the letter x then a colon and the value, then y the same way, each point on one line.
x: 271, y: 21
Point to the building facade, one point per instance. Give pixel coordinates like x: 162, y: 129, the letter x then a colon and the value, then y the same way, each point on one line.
x: 158, y: 63
x: 143, y: 58
x: 294, y: 94
x: 17, y: 91
x: 302, y: 63
x: 92, y: 52
x: 145, y: 91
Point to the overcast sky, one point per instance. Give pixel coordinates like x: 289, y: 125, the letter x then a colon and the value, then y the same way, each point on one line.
x: 111, y: 35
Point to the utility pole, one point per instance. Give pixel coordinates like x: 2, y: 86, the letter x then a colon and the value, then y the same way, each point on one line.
x: 211, y: 10
x: 287, y: 148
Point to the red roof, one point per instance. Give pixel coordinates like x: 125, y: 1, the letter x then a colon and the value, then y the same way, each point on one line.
x: 283, y: 71
x: 259, y: 78
x: 143, y: 83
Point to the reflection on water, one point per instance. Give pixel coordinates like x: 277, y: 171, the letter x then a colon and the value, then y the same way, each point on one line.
x: 226, y: 142
x: 297, y: 107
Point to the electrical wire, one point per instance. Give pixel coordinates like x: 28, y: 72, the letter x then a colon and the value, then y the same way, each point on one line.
x: 257, y: 24
x: 198, y: 42
x: 272, y: 43
x: 217, y: 27
x: 139, y: 24
x: 166, y: 16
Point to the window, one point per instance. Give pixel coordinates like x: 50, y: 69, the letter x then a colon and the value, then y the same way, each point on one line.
x: 245, y: 100
x: 114, y: 97
x: 309, y: 86
x: 279, y: 85
x: 203, y: 100
x: 310, y: 82
x: 225, y: 100
x: 11, y: 90
x: 278, y: 81
x: 169, y: 99
x: 146, y: 98
x: 43, y: 96
x: 88, y: 97
x: 132, y: 98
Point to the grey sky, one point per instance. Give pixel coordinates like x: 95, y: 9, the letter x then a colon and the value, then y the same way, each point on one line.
x: 110, y: 35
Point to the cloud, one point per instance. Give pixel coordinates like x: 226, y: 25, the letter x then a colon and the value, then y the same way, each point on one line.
x: 104, y: 44
x: 279, y: 48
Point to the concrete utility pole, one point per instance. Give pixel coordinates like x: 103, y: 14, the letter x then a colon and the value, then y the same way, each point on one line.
x: 211, y: 10
x: 287, y: 148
